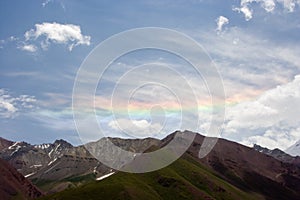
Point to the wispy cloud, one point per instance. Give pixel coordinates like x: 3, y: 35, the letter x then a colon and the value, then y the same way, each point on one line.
x: 11, y: 106
x: 28, y: 47
x: 21, y: 74
x: 262, y: 104
x: 61, y: 120
x: 136, y: 128
x: 10, y: 39
x: 46, y: 2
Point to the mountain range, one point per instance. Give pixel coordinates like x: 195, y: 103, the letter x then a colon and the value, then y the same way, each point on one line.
x: 229, y: 171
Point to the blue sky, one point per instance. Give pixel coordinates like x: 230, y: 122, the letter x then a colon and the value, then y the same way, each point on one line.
x: 255, y: 45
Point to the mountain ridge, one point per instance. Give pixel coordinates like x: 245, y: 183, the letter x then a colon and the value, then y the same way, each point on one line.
x: 229, y: 171
x: 65, y: 166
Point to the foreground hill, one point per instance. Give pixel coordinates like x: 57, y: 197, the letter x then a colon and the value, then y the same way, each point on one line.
x: 184, y: 179
x: 229, y: 171
x: 14, y: 185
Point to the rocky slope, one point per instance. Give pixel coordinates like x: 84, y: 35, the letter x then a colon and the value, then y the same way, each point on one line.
x: 14, y: 185
x: 61, y: 161
x: 251, y: 170
x: 278, y: 154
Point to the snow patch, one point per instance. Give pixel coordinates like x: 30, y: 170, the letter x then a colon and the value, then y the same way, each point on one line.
x: 56, y: 148
x: 42, y: 146
x: 104, y: 176
x: 52, y: 161
x: 49, y: 154
x: 14, y: 145
x: 95, y: 170
x: 35, y: 166
x: 29, y: 175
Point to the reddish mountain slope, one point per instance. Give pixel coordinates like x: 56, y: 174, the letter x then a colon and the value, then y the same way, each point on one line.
x: 4, y: 143
x: 14, y: 185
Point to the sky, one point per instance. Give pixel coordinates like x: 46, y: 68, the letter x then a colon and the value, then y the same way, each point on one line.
x: 254, y: 44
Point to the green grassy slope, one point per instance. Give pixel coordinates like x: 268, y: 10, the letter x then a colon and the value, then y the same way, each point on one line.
x: 184, y: 179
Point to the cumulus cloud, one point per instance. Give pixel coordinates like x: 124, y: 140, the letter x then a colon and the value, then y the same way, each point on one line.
x: 69, y: 34
x: 274, y: 138
x: 267, y: 5
x: 10, y: 106
x: 275, y: 114
x: 221, y: 21
x: 245, y: 10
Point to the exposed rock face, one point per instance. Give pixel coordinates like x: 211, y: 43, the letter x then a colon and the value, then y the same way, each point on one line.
x: 13, y: 184
x: 278, y: 154
x: 61, y: 160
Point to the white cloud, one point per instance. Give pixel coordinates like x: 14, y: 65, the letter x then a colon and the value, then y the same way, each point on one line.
x: 45, y: 3
x: 28, y: 47
x: 10, y: 39
x: 267, y: 5
x: 21, y: 74
x: 289, y: 5
x: 245, y: 10
x: 136, y: 128
x: 221, y: 21
x: 11, y: 106
x: 249, y: 68
x: 274, y: 138
x: 276, y: 111
x: 61, y: 120
x: 69, y: 34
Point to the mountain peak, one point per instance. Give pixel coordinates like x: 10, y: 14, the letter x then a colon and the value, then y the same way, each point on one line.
x: 63, y: 143
x: 5, y: 143
x: 276, y: 153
